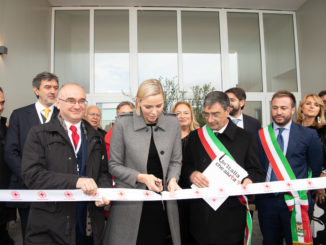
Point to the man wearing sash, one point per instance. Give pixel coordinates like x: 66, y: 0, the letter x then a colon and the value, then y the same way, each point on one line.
x: 227, y: 224
x: 287, y: 151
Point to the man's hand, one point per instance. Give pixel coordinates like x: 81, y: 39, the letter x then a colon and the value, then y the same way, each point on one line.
x: 246, y: 182
x: 173, y: 185
x: 199, y: 179
x: 102, y: 203
x: 88, y: 186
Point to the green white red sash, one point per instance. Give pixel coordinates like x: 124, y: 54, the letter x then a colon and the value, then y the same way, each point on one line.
x: 213, y: 145
x: 297, y: 201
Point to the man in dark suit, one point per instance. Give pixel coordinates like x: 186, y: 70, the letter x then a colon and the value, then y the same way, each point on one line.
x: 66, y: 153
x: 206, y: 225
x: 6, y: 214
x: 303, y: 151
x: 237, y: 98
x: 45, y: 86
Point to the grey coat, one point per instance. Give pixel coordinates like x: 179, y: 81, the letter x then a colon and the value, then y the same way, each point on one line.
x: 130, y: 142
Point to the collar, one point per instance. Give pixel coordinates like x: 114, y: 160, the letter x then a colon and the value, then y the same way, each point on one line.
x: 221, y: 131
x: 68, y: 124
x: 139, y: 121
x: 287, y: 126
x: 240, y: 117
x: 40, y: 107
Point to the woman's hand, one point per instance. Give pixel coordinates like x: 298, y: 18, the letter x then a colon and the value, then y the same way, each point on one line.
x: 173, y: 185
x: 152, y: 183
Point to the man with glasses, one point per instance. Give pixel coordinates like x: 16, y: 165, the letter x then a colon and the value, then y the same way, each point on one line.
x: 66, y: 153
x: 93, y: 116
x: 227, y: 224
x: 322, y: 95
x: 45, y: 86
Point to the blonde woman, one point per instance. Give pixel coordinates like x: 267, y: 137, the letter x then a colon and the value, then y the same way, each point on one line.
x: 145, y: 153
x: 311, y: 114
x: 186, y: 117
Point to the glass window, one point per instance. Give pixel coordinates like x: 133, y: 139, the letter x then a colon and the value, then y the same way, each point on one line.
x: 200, y: 48
x: 108, y: 114
x: 244, y: 51
x: 157, y: 45
x: 281, y: 68
x: 111, y: 48
x: 254, y: 109
x: 71, y: 46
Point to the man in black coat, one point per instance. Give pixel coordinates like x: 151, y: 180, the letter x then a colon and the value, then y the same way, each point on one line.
x: 67, y: 153
x: 226, y: 225
x: 6, y: 214
x: 45, y: 86
x: 237, y: 98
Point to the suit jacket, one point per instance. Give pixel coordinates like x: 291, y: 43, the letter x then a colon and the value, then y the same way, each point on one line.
x: 129, y: 149
x: 21, y: 121
x: 304, y: 151
x: 251, y: 124
x: 49, y: 162
x: 225, y: 225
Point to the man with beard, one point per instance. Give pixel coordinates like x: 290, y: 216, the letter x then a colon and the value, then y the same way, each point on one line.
x: 287, y: 151
x: 237, y: 97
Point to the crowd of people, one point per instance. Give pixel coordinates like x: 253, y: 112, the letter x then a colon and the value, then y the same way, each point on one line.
x: 58, y: 143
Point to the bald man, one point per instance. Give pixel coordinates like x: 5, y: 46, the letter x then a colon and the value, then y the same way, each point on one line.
x: 93, y: 116
x: 66, y: 153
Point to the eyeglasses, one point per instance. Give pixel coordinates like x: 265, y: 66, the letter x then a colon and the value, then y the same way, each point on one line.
x: 72, y: 101
x: 213, y: 114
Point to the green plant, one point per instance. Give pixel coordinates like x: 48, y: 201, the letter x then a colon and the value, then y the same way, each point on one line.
x: 172, y: 93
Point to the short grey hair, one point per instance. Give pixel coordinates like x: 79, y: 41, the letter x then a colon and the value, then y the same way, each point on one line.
x: 217, y: 97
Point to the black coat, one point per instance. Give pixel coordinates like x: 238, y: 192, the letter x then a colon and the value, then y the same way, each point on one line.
x: 49, y: 162
x: 225, y: 225
x: 251, y: 124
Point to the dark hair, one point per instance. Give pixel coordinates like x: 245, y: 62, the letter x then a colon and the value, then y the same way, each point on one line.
x: 217, y: 97
x: 123, y: 103
x: 1, y: 90
x: 322, y: 93
x: 239, y: 93
x: 285, y: 93
x: 43, y: 76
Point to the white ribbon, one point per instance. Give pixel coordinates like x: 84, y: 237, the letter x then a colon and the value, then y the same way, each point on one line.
x: 120, y: 194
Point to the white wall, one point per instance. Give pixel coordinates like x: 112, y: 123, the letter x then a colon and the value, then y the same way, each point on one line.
x: 311, y: 22
x: 25, y: 29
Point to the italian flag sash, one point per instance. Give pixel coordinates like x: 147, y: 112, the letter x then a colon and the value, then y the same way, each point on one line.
x: 213, y: 145
x: 297, y: 201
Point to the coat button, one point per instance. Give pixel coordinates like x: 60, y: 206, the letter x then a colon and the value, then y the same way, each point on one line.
x: 146, y: 129
x: 156, y: 129
x: 69, y: 158
x: 162, y: 152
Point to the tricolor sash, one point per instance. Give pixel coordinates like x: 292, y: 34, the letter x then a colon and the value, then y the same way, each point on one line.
x: 297, y: 201
x: 212, y: 146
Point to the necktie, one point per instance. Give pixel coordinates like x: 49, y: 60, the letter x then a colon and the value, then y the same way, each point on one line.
x: 280, y: 142
x: 46, y: 113
x: 75, y: 136
x: 235, y: 120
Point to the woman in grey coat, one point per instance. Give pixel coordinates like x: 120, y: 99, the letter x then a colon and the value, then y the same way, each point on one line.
x: 145, y: 153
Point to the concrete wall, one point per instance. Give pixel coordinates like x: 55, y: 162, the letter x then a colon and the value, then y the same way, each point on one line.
x: 25, y: 28
x: 311, y: 22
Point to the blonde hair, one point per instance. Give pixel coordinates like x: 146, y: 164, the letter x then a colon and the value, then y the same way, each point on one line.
x: 147, y: 88
x: 320, y: 118
x: 193, y: 124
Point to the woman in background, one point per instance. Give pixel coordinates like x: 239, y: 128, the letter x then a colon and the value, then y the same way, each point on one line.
x: 188, y: 123
x: 145, y: 153
x: 311, y: 114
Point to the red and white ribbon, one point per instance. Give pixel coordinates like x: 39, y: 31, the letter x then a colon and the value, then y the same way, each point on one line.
x: 120, y: 194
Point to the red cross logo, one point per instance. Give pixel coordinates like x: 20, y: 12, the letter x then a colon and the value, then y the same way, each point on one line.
x: 288, y: 184
x: 96, y: 194
x: 147, y: 194
x: 214, y: 199
x: 41, y: 194
x: 15, y: 194
x: 68, y: 194
x: 121, y: 193
x: 197, y: 192
x: 244, y: 187
x: 309, y: 183
x: 220, y: 190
